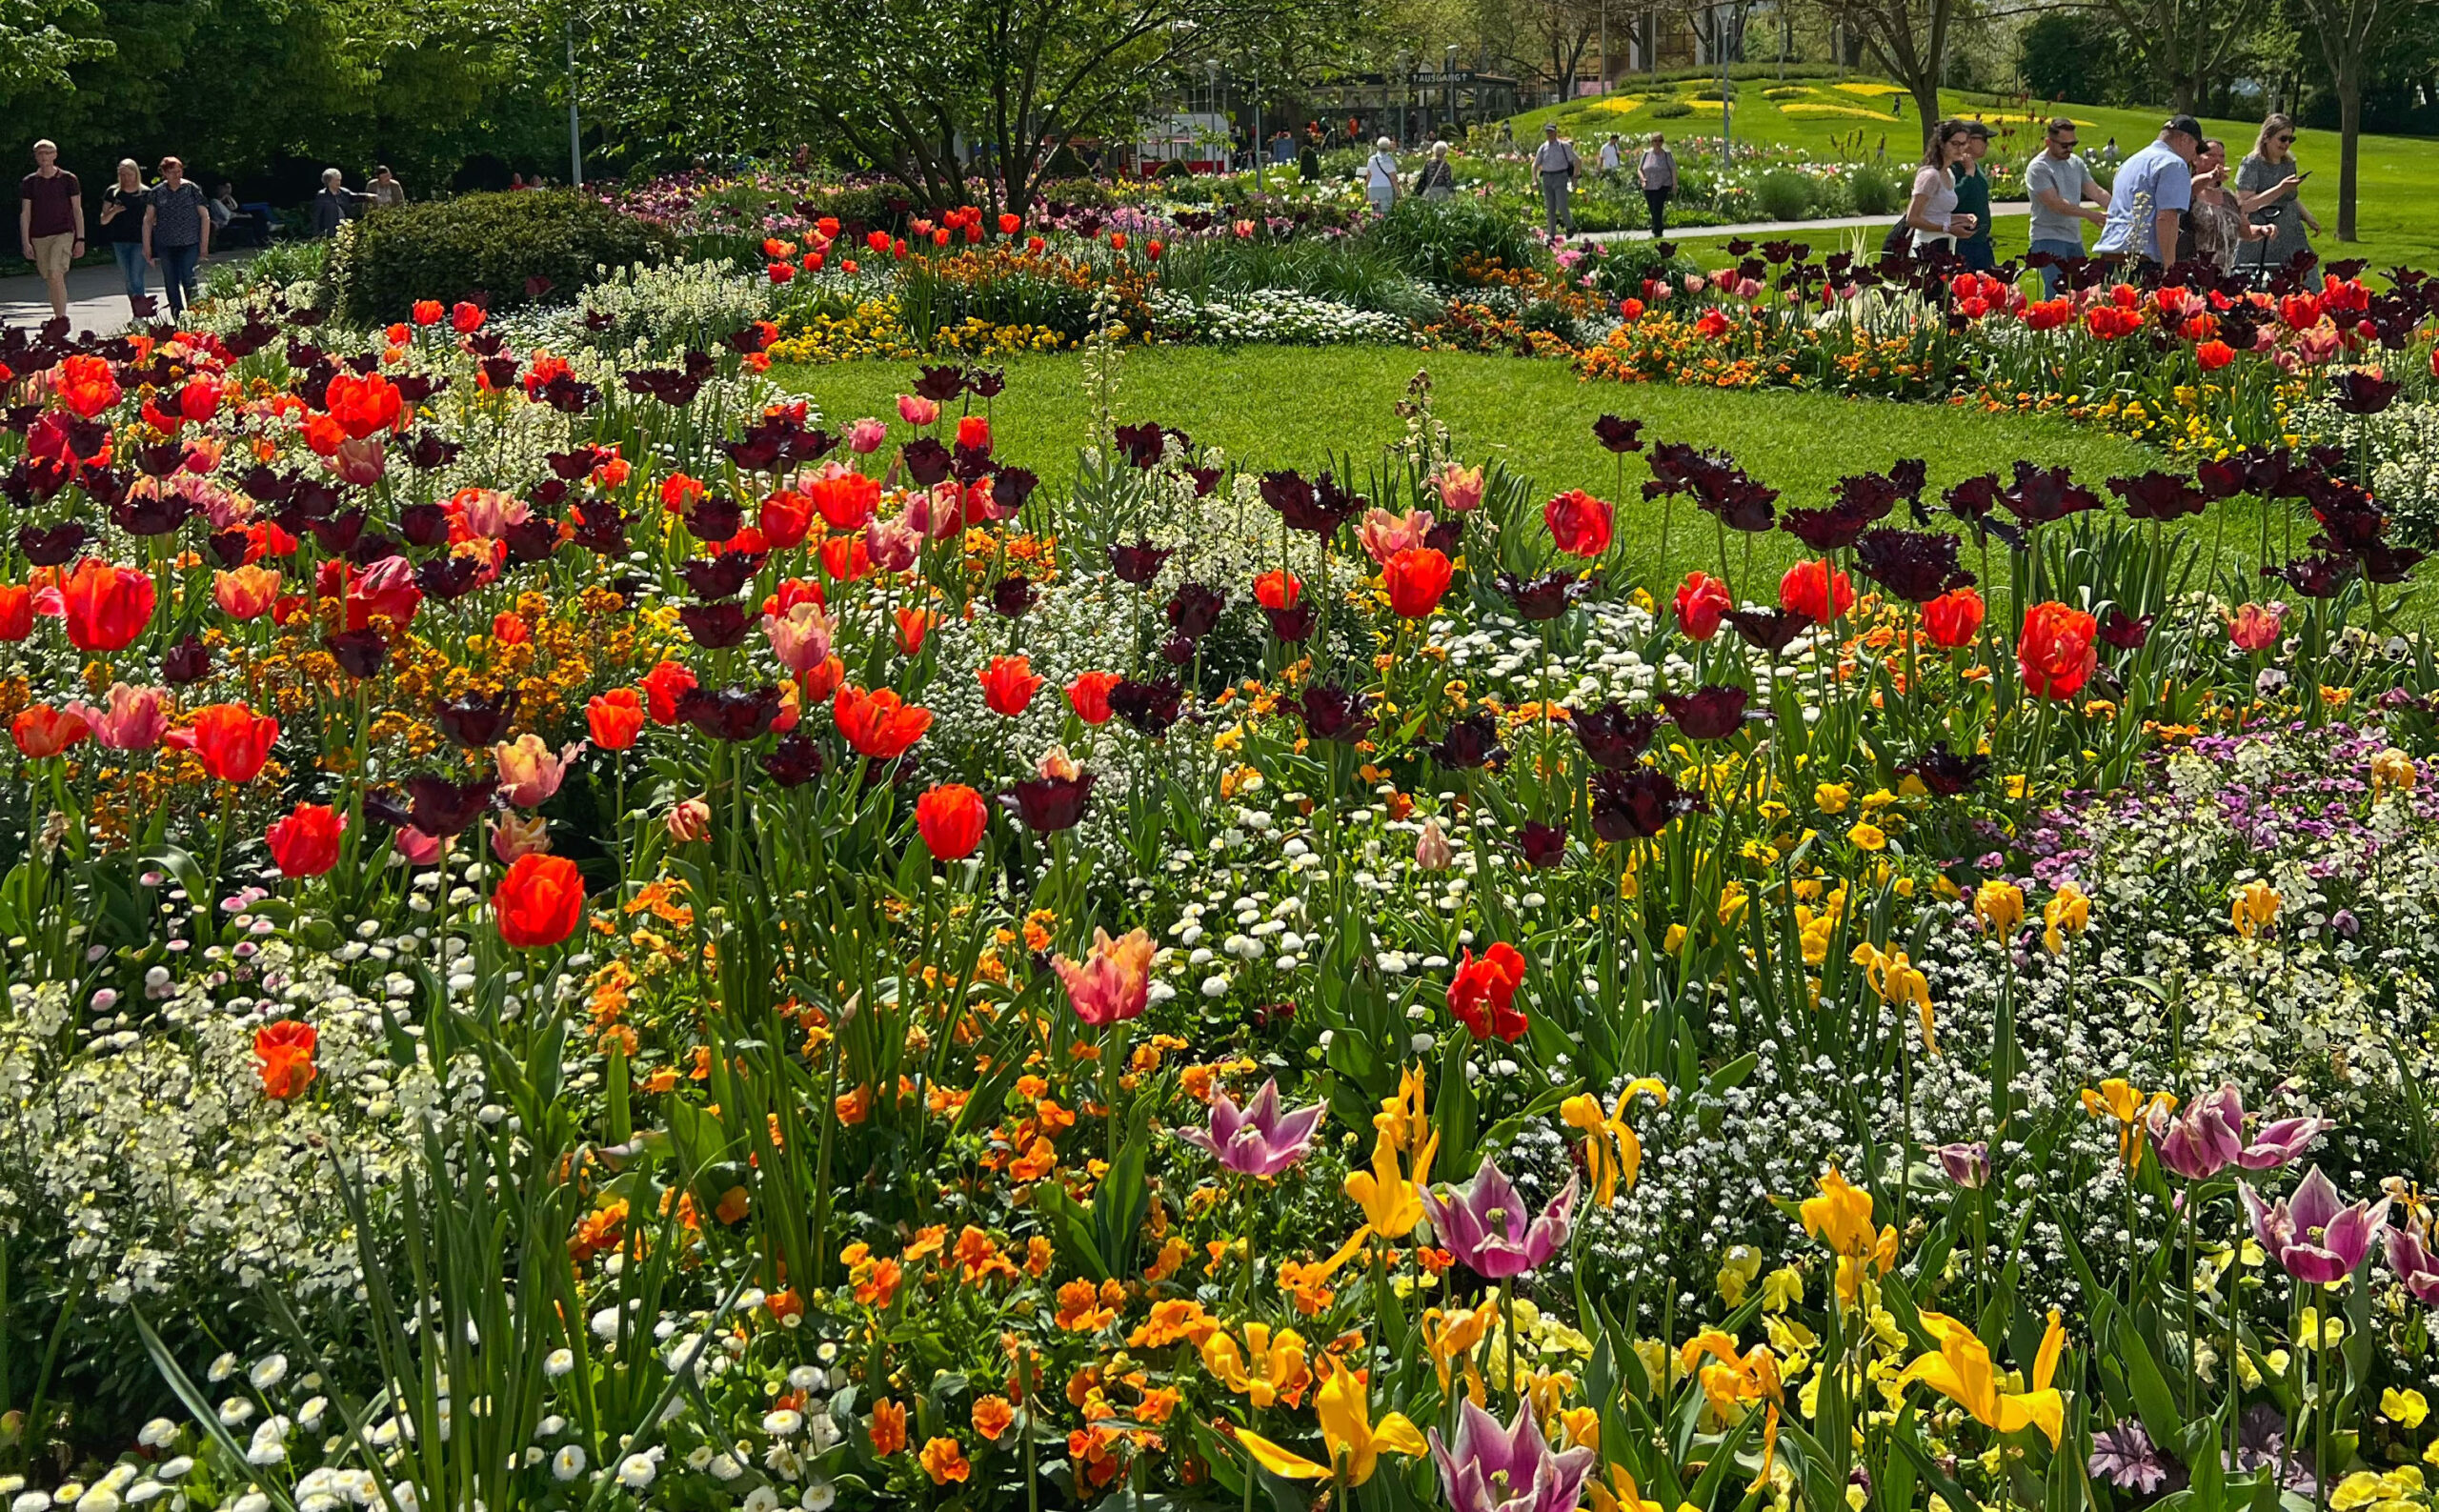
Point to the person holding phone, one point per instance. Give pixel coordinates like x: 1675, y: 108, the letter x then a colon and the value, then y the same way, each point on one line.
x: 2270, y: 191
x: 1931, y: 211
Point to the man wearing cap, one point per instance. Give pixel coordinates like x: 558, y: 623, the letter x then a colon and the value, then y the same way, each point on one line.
x: 1973, y: 198
x: 2154, y: 189
x: 1557, y: 164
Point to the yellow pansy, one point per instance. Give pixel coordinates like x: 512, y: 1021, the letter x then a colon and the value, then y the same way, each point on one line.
x: 1832, y: 798
x: 1867, y: 837
x: 2405, y: 1409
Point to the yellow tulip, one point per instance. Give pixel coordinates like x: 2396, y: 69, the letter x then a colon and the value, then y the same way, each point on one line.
x: 1353, y: 1440
x: 1392, y: 1201
x: 2254, y: 908
x: 1739, y: 1379
x: 1962, y: 1371
x: 1841, y: 1218
x: 1278, y: 1357
x: 1612, y: 1152
x: 1450, y: 1337
x: 1894, y: 979
x: 1999, y: 906
x: 2120, y: 1099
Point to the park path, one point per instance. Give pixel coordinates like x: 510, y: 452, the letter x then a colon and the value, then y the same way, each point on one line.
x: 1777, y: 229
x: 96, y: 296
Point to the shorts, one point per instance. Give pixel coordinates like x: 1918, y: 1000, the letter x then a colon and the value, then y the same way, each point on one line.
x: 53, y: 253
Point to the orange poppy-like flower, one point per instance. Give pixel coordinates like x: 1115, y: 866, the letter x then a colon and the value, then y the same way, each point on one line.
x: 879, y: 725
x: 1080, y: 1309
x: 2055, y: 651
x: 993, y: 1416
x: 539, y: 902
x: 284, y: 1058
x: 944, y: 1462
x: 878, y: 1286
x: 888, y: 1427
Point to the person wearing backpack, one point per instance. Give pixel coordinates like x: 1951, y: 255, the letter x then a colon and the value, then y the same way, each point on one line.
x: 1558, y: 166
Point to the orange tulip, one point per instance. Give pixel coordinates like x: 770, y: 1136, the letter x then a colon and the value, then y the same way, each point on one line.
x: 951, y: 818
x: 284, y: 1058
x: 2055, y: 651
x: 540, y: 902
x: 231, y: 740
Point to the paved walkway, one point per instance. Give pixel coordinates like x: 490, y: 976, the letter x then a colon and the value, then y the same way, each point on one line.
x: 96, y: 296
x: 1774, y: 230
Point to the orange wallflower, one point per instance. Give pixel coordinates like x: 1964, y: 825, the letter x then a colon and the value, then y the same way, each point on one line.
x: 1077, y: 1312
x: 944, y: 1462
x: 993, y: 1417
x: 888, y: 1427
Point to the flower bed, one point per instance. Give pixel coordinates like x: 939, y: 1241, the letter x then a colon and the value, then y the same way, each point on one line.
x: 583, y: 934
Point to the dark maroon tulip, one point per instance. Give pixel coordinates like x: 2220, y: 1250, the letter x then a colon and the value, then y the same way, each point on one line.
x: 1012, y: 595
x: 359, y: 652
x: 1616, y: 435
x: 1195, y: 607
x: 715, y: 627
x: 424, y: 524
x: 1974, y: 499
x: 1295, y: 623
x: 1047, y: 804
x: 1824, y: 531
x: 1946, y: 773
x: 1708, y: 713
x: 2358, y: 391
x: 1138, y: 564
x: 1768, y: 630
x: 1542, y: 845
x: 476, y: 720
x: 940, y: 384
x: 1010, y: 488
x: 2041, y: 495
x: 743, y: 712
x: 2123, y: 631
x: 2158, y: 496
x: 1544, y: 598
x: 1638, y: 803
x: 714, y: 518
x: 1613, y: 737
x: 1916, y: 566
x: 600, y: 528
x: 1149, y: 708
x: 717, y: 577
x: 795, y: 762
x: 2317, y: 576
x: 1333, y: 713
x: 447, y: 577
x: 927, y: 461
x: 187, y: 661
x: 229, y: 548
x: 443, y: 808
x: 54, y: 547
x: 1471, y: 742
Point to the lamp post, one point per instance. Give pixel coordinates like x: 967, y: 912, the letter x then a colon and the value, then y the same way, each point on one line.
x: 1261, y: 147
x: 1211, y: 71
x: 576, y: 126
x: 1448, y: 82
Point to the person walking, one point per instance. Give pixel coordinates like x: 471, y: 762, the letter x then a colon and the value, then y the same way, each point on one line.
x: 1556, y: 163
x: 121, y: 229
x: 1931, y: 211
x: 1611, y: 158
x: 1438, y: 179
x: 1308, y: 158
x: 2063, y: 196
x: 1657, y: 173
x: 2147, y: 203
x: 1381, y: 176
x: 331, y: 204
x: 2267, y: 176
x: 387, y: 191
x: 178, y: 232
x: 1973, y: 198
x: 51, y: 222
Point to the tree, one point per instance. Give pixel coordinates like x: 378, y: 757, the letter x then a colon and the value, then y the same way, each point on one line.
x: 2189, y: 44
x: 1910, y: 40
x: 2348, y: 31
x: 39, y: 50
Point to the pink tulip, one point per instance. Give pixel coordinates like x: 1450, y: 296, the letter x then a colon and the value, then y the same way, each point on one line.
x: 2254, y: 626
x: 865, y: 436
x: 1383, y: 534
x: 802, y: 637
x: 489, y: 513
x: 1113, y: 983
x: 916, y: 411
x: 690, y: 822
x: 1432, y: 851
x: 529, y: 773
x: 134, y: 720
x: 891, y: 544
x: 359, y: 463
x: 1461, y: 488
x: 418, y: 848
x: 515, y: 835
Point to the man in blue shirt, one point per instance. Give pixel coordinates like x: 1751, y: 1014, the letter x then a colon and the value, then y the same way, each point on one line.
x: 2152, y: 191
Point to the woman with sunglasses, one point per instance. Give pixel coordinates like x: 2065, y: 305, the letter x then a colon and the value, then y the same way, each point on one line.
x: 2270, y: 190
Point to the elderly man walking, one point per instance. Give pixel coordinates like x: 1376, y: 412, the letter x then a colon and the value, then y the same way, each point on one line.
x: 1558, y: 165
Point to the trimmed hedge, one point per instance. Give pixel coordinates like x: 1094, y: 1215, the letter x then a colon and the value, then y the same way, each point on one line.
x: 492, y: 245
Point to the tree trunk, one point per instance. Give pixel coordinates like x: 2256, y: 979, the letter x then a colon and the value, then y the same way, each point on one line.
x: 2350, y: 134
x: 1927, y: 103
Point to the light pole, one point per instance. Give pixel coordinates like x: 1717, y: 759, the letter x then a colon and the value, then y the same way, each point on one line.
x: 576, y: 126
x: 1448, y: 83
x: 1211, y: 71
x: 1261, y: 147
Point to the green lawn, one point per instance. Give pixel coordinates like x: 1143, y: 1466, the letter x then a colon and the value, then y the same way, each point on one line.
x: 1273, y: 407
x: 2398, y: 172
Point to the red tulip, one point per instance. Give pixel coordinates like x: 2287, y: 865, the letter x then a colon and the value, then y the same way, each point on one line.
x: 231, y: 740
x: 107, y: 606
x: 43, y: 731
x: 86, y: 385
x: 1701, y: 601
x: 951, y: 818
x: 846, y: 498
x: 362, y: 405
x: 1009, y: 684
x: 1089, y: 696
x: 1578, y: 523
x: 16, y: 612
x: 973, y: 431
x: 1953, y: 618
x: 786, y: 517
x: 540, y: 902
x: 1482, y: 994
x: 662, y: 686
x: 1416, y: 578
x: 2055, y: 651
x: 614, y: 718
x: 2212, y: 356
x: 1816, y: 591
x: 284, y: 1058
x: 306, y: 842
x: 878, y: 724
x: 428, y: 312
x: 1277, y: 589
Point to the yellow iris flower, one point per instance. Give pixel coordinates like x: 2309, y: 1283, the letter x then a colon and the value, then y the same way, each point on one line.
x: 1962, y: 1371
x: 1999, y: 906
x: 1451, y: 1337
x: 1739, y: 1379
x: 2067, y: 913
x: 1355, y: 1443
x: 1893, y: 978
x: 1391, y: 1200
x: 1611, y: 1150
x: 1841, y: 1218
x: 2254, y: 908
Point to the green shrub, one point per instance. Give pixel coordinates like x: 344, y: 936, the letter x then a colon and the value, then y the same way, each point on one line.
x: 1669, y: 109
x: 1874, y: 191
x: 1429, y: 238
x: 1784, y: 194
x: 486, y: 244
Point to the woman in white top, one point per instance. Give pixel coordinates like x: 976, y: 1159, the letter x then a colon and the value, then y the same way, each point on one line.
x: 1933, y: 211
x: 1381, y: 176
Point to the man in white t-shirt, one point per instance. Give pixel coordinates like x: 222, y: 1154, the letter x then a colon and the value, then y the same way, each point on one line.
x: 1381, y: 176
x: 1556, y: 162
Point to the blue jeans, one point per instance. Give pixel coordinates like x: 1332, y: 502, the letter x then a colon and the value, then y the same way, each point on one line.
x: 177, y: 274
x: 130, y: 267
x: 2053, y: 279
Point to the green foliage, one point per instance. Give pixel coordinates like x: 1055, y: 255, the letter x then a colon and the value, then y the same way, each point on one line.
x: 1785, y: 194
x: 1873, y: 191
x: 1430, y: 238
x: 1670, y: 109
x: 488, y: 244
x: 1366, y: 277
